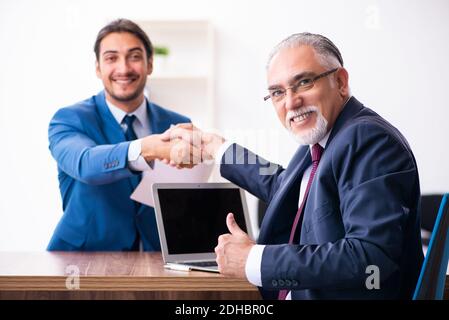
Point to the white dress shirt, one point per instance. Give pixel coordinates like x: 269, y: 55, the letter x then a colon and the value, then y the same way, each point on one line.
x: 141, y: 126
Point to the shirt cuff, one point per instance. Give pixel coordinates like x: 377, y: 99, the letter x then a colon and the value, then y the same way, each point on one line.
x: 135, y: 161
x: 253, y: 264
x: 221, y: 151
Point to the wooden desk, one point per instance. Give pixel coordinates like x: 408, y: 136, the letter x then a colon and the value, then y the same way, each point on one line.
x: 110, y: 275
x: 113, y: 275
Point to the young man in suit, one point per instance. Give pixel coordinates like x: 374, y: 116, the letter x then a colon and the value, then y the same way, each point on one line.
x: 357, y: 236
x: 103, y: 144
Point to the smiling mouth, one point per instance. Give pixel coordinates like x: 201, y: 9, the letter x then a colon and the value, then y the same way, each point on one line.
x: 301, y: 117
x: 124, y: 81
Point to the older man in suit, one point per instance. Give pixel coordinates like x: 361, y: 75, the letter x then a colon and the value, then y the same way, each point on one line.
x: 343, y: 217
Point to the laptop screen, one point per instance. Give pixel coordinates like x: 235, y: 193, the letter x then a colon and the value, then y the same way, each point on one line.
x: 194, y: 218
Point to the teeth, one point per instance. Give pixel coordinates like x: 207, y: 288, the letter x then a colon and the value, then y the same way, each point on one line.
x: 124, y: 81
x: 301, y: 117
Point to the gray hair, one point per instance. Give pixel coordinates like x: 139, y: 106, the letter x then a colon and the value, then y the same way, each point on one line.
x: 326, y: 50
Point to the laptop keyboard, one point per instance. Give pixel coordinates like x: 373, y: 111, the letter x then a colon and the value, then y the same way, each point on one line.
x: 203, y: 263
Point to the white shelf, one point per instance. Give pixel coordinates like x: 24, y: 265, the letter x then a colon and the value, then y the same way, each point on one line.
x: 183, y: 81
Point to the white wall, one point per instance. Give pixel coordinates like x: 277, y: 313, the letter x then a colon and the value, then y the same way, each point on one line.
x: 396, y: 53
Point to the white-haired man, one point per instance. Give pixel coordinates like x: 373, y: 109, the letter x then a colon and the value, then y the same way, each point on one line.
x: 346, y: 206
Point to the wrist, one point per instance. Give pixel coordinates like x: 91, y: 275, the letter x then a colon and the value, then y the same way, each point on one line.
x: 150, y: 147
x: 213, y: 145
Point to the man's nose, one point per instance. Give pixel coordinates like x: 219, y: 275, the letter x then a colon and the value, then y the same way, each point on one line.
x: 122, y: 65
x: 293, y: 100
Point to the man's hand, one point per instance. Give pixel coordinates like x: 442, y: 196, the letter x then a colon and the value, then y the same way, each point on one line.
x: 233, y: 249
x: 209, y: 142
x: 178, y: 152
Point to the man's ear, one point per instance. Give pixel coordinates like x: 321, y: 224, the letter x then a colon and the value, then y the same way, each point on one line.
x: 97, y: 69
x: 343, y: 82
x: 150, y: 66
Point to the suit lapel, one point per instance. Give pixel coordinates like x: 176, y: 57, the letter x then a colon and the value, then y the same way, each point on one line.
x: 351, y: 109
x: 280, y: 213
x: 112, y: 129
x: 294, y: 171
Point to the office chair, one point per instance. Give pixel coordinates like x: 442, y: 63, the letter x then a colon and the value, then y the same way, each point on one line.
x: 433, y: 272
x: 429, y: 210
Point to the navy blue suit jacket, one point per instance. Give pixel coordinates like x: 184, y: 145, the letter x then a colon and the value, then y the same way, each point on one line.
x: 362, y: 210
x: 91, y: 151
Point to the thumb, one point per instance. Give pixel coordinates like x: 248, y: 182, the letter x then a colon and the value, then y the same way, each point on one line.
x: 232, y: 225
x: 166, y: 135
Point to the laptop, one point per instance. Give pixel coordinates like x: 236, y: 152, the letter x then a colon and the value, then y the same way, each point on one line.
x: 191, y: 216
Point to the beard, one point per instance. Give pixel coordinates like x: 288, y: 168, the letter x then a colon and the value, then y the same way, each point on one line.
x: 313, y: 135
x: 129, y: 96
x: 125, y: 98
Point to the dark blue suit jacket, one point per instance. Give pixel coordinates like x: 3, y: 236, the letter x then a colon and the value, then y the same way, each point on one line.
x: 91, y: 151
x: 362, y: 210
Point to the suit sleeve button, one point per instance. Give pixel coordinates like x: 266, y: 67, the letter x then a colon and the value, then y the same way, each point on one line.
x: 274, y: 283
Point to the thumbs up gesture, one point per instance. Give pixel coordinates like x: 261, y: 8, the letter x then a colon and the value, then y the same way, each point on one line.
x: 232, y: 249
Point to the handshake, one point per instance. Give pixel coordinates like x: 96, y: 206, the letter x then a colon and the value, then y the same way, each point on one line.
x: 181, y: 146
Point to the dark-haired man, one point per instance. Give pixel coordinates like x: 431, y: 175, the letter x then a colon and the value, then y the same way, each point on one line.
x: 103, y: 144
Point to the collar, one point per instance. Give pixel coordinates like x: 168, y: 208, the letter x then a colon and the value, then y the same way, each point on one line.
x: 119, y: 114
x: 322, y: 142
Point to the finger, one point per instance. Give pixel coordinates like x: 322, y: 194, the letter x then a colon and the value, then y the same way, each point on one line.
x: 172, y: 163
x: 220, y: 259
x: 191, y: 136
x: 185, y: 166
x: 195, y: 156
x: 220, y: 263
x: 165, y: 136
x: 185, y: 154
x: 205, y: 155
x: 232, y: 225
x: 186, y: 125
x: 222, y: 238
x: 217, y: 251
x: 206, y: 137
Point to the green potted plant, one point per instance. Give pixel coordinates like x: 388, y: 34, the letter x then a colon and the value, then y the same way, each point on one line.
x: 161, y: 50
x: 161, y: 54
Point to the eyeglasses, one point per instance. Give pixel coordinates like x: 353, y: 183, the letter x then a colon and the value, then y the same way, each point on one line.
x: 305, y: 84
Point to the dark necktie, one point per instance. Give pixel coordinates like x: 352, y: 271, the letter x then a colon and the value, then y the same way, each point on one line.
x: 129, y: 133
x: 317, y: 151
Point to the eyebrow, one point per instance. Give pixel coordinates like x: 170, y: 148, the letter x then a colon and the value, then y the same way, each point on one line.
x: 294, y: 79
x: 130, y: 50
